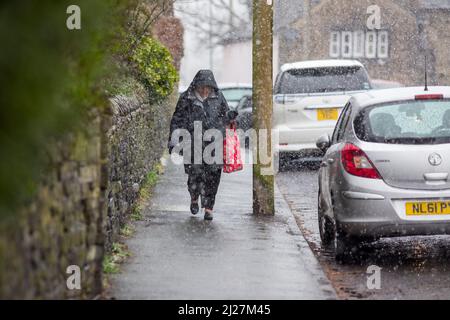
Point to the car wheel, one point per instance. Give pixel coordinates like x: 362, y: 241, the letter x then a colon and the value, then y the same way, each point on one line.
x: 346, y: 248
x: 326, y: 226
x: 283, y: 163
x: 342, y: 250
x: 288, y: 162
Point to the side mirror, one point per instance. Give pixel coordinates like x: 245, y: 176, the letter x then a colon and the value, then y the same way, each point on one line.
x: 323, y: 143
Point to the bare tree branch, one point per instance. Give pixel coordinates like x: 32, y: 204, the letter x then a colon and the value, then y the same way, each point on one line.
x: 145, y: 15
x: 219, y: 29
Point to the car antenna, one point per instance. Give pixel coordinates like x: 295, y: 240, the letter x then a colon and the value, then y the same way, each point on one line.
x: 426, y: 74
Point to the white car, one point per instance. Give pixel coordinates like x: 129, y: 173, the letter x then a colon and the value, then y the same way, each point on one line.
x: 308, y: 99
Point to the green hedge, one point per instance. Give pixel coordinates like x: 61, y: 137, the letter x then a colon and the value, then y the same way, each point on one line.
x: 155, y: 68
x: 49, y: 78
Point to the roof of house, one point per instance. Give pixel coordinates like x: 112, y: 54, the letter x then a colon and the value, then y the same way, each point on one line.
x: 286, y: 12
x: 435, y: 4
x: 238, y: 36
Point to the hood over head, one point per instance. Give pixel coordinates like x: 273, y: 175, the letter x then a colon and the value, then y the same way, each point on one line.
x: 204, y: 78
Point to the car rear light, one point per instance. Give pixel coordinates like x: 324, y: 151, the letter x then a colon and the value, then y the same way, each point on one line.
x: 283, y: 99
x: 357, y: 163
x: 429, y: 97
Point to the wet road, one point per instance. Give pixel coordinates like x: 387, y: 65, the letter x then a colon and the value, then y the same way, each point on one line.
x: 412, y: 267
x: 236, y: 256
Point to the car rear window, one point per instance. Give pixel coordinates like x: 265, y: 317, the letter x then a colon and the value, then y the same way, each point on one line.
x: 316, y: 80
x: 412, y: 122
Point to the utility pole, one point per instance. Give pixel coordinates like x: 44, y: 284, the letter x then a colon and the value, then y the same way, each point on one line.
x: 263, y: 185
x: 307, y: 45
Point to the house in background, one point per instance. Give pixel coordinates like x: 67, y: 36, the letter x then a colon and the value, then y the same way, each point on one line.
x: 410, y: 30
x: 237, y: 47
x: 237, y: 57
x: 337, y: 29
x: 286, y: 12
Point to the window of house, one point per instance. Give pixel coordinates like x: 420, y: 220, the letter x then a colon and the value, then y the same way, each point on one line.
x: 335, y: 44
x: 383, y: 49
x: 347, y: 44
x: 358, y: 44
x: 371, y: 44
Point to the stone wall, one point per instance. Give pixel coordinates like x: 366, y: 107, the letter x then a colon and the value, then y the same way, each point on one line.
x: 61, y: 226
x: 86, y: 193
x: 137, y: 138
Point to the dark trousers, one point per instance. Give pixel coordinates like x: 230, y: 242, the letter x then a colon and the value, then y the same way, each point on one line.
x: 204, y: 182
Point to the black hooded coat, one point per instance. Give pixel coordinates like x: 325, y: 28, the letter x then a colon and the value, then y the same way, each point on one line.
x: 213, y: 113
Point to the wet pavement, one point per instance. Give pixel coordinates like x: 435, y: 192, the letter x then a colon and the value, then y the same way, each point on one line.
x: 236, y: 256
x: 412, y: 267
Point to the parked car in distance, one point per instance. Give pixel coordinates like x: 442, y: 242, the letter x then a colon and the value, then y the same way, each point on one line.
x: 233, y: 92
x: 386, y: 169
x: 308, y: 99
x: 245, y: 119
x: 244, y: 109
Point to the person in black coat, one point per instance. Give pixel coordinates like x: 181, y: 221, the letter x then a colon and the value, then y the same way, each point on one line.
x: 202, y: 103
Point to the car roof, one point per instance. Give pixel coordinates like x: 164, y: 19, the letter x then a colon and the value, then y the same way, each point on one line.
x: 237, y: 85
x: 320, y: 64
x: 373, y: 97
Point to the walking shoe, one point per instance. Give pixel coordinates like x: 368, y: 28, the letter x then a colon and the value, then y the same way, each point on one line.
x: 208, y: 215
x: 194, y: 208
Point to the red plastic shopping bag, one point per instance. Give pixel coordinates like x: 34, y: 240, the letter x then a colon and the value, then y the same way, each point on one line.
x: 232, y: 160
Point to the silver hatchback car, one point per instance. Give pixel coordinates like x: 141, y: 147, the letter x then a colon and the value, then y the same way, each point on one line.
x: 386, y: 168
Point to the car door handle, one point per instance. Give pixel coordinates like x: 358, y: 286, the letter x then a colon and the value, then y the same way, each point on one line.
x: 330, y: 161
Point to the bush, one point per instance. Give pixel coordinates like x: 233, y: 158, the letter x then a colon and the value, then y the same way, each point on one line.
x: 49, y: 79
x: 156, y: 70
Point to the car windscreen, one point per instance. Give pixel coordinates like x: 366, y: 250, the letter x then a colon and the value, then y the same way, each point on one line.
x: 315, y: 80
x: 412, y: 122
x: 236, y: 94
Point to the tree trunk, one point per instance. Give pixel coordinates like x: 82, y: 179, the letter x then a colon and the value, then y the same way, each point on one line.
x: 263, y: 184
